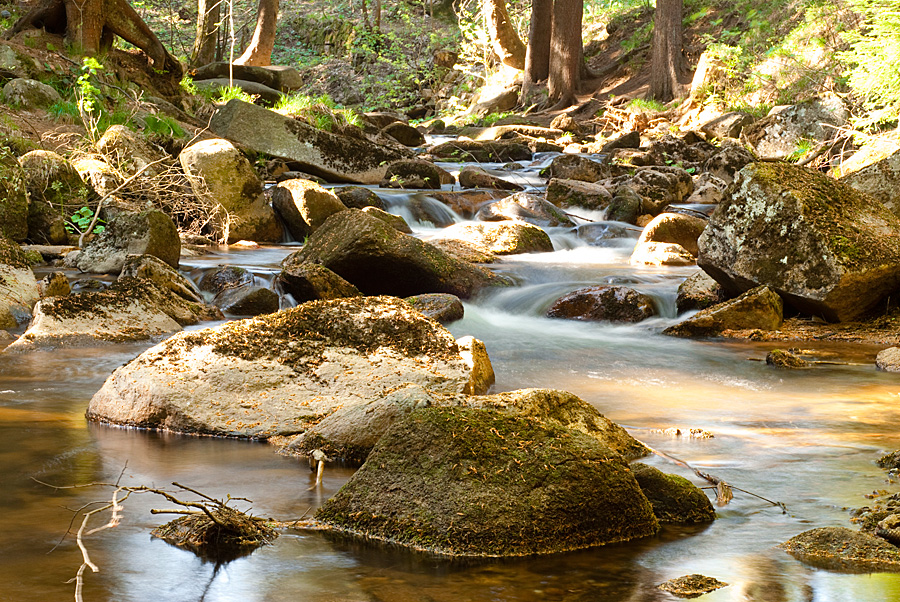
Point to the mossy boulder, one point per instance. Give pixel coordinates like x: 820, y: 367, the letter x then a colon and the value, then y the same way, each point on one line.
x: 759, y: 308
x: 394, y: 221
x: 358, y: 197
x: 785, y: 359
x: 779, y: 134
x: 149, y: 232
x: 575, y: 193
x: 574, y: 167
x: 29, y: 93
x: 844, y: 550
x: 222, y: 178
x: 674, y: 498
x: 441, y: 307
x: 55, y: 192
x: 473, y: 176
x: 378, y: 259
x: 312, y: 282
x: 163, y: 275
x: 826, y: 248
x: 13, y: 199
x: 503, y: 238
x: 306, y: 206
x: 18, y: 286
x: 470, y: 482
x: 131, y: 152
x: 282, y: 373
x: 412, y: 174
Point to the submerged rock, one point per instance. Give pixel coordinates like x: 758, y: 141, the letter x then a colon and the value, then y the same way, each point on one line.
x: 469, y: 482
x: 692, y: 586
x: 282, y: 373
x: 674, y: 498
x: 759, y: 308
x: 844, y: 550
x: 824, y: 247
x: 604, y: 303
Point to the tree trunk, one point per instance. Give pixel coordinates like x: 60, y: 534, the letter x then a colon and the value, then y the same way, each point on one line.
x: 365, y: 14
x: 537, y: 55
x: 91, y: 26
x: 205, y: 45
x: 505, y: 41
x: 565, y: 52
x: 667, y: 62
x: 259, y: 52
x: 378, y: 15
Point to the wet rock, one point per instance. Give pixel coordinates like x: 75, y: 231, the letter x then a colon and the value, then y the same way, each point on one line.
x: 412, y: 174
x: 13, y: 199
x: 335, y: 157
x: 575, y: 193
x: 608, y: 233
x: 626, y: 205
x: 661, y: 253
x: 726, y: 125
x: 698, y: 291
x: 785, y: 359
x: 426, y: 210
x: 282, y: 373
x: 467, y: 202
x: 357, y: 197
x: 728, y: 161
x: 603, y: 303
x: 404, y: 133
x: 844, y: 550
x: 307, y: 207
x: 221, y: 176
x: 378, y: 259
x: 247, y: 301
x: 312, y: 282
x: 888, y: 359
x: 692, y: 586
x: 29, y: 93
x: 502, y: 238
x: 759, y: 308
x: 441, y: 307
x: 890, y: 461
x: 476, y: 177
x: 162, y: 275
x: 561, y: 408
x: 674, y: 498
x: 129, y: 310
x: 18, y: 286
x: 224, y: 277
x: 574, y: 167
x: 785, y: 128
x: 54, y: 285
x: 131, y: 152
x: 479, y: 151
x: 525, y: 207
x: 440, y: 480
x: 55, y: 191
x: 675, y: 228
x: 150, y: 232
x: 826, y: 248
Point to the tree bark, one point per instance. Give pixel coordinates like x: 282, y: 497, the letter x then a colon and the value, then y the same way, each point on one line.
x: 259, y: 52
x: 205, y: 45
x: 667, y: 61
x: 565, y: 52
x: 505, y: 41
x: 91, y: 26
x: 537, y: 54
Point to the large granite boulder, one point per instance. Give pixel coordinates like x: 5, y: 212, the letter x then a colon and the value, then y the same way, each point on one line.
x: 18, y: 286
x: 604, y: 303
x: 503, y: 238
x: 377, y: 259
x: 150, y: 232
x: 826, y: 248
x: 130, y: 309
x: 223, y: 179
x: 759, y: 308
x: 470, y: 482
x: 282, y: 373
x: 331, y: 156
x: 55, y: 192
x: 676, y: 228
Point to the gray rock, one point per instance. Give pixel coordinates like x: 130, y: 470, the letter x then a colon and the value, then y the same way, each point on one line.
x: 222, y: 70
x: 525, y: 207
x: 358, y: 197
x: 661, y: 253
x: 824, y: 247
x: 728, y: 161
x: 603, y: 303
x: 698, y: 291
x: 13, y: 199
x: 759, y: 308
x: 880, y: 180
x: 312, y: 282
x: 335, y: 157
x: 708, y: 190
x: 659, y: 186
x: 441, y: 307
x: 307, y: 207
x: 150, y: 232
x: 268, y: 96
x: 888, y: 359
x: 30, y: 93
x: 222, y: 278
x: 131, y: 152
x: 394, y: 221
x: 629, y: 140
x: 781, y: 132
x: 727, y: 125
x: 247, y: 301
x: 578, y: 194
x: 161, y: 274
x: 608, y: 233
x: 626, y: 205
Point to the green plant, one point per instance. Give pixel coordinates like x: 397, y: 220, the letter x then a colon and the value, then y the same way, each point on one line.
x: 87, y: 96
x: 641, y: 105
x: 81, y: 220
x: 226, y: 93
x: 321, y: 111
x: 63, y: 109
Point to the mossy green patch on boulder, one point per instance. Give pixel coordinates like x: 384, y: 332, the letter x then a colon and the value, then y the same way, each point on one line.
x: 56, y: 191
x: 469, y: 482
x: 826, y: 248
x: 674, y: 498
x: 13, y: 198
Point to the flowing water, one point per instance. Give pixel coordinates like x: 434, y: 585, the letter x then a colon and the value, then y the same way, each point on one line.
x: 805, y: 438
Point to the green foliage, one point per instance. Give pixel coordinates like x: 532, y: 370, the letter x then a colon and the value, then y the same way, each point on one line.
x: 226, y: 93
x: 646, y: 105
x: 163, y: 124
x: 63, y: 110
x: 321, y: 112
x: 80, y: 221
x: 187, y: 84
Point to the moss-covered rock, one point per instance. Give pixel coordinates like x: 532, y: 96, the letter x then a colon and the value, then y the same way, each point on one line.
x: 785, y: 359
x: 412, y: 174
x: 826, y: 248
x: 306, y: 206
x: 503, y: 238
x: 575, y: 193
x: 149, y: 232
x: 441, y: 307
x: 759, y: 308
x: 378, y: 259
x: 698, y: 291
x: 482, y: 151
x: 473, y: 176
x: 282, y: 373
x: 55, y: 191
x: 13, y: 198
x: 844, y: 550
x: 574, y: 167
x: 468, y: 482
x: 674, y: 498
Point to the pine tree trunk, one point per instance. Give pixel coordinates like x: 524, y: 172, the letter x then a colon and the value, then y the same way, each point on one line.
x: 259, y: 52
x: 505, y: 40
x: 667, y: 62
x: 565, y: 52
x: 205, y: 45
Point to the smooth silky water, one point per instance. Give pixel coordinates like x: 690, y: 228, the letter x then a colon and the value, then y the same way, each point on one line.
x: 806, y: 438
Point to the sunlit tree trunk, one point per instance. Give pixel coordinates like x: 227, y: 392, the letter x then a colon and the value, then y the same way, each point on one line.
x: 505, y: 41
x: 667, y: 62
x: 565, y: 52
x: 259, y: 52
x: 205, y: 45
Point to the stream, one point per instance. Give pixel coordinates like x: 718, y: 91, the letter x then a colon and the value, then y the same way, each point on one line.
x: 806, y: 438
